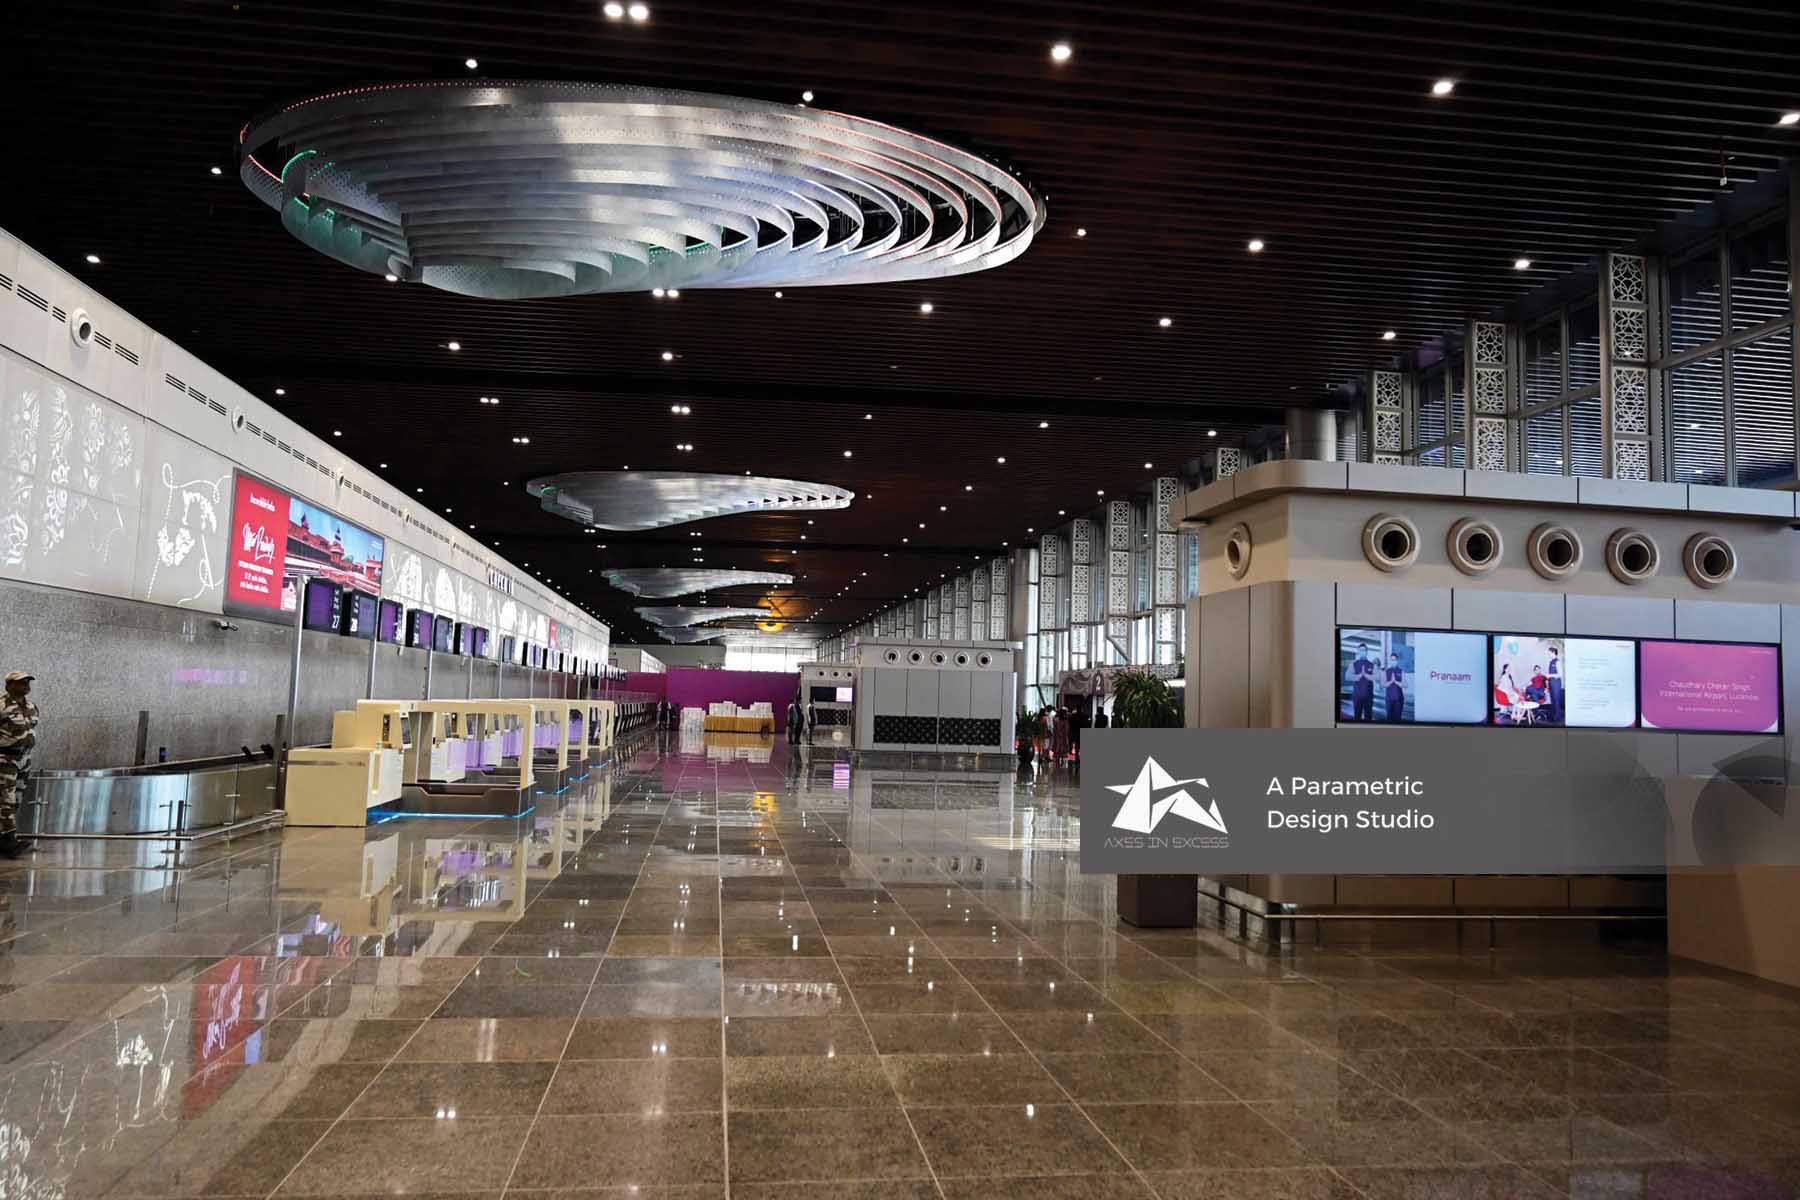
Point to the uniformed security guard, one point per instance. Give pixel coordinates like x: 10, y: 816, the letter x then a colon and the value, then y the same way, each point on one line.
x: 18, y: 734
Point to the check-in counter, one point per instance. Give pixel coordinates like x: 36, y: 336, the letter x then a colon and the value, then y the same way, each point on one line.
x: 360, y: 770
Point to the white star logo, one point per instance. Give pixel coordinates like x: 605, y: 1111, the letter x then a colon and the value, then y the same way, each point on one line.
x: 1143, y: 810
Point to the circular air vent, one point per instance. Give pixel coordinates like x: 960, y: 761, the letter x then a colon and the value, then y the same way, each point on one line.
x: 1554, y: 551
x: 984, y: 660
x: 1631, y: 556
x: 962, y: 659
x: 892, y: 656
x: 81, y: 328
x: 1237, y: 550
x: 937, y: 658
x: 916, y: 657
x: 1390, y: 542
x: 1475, y: 546
x: 1710, y: 560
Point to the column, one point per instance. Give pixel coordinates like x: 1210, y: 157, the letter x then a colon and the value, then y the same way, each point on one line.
x: 1389, y: 429
x: 1166, y: 593
x: 1625, y: 366
x: 1081, y: 592
x: 1118, y: 577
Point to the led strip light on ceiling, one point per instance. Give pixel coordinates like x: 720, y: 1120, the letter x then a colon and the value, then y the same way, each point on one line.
x: 515, y: 190
x: 660, y: 583
x: 671, y: 616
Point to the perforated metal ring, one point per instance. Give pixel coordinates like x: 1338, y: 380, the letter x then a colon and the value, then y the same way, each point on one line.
x: 1238, y: 545
x: 1554, y: 551
x: 1632, y: 556
x: 1475, y: 546
x: 1390, y: 542
x: 1709, y: 560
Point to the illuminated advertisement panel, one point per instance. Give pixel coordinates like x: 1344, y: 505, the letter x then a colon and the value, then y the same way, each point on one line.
x: 1710, y: 687
x: 1412, y: 676
x: 277, y: 538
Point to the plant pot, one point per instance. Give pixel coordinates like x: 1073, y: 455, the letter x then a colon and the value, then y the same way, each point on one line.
x: 1026, y: 753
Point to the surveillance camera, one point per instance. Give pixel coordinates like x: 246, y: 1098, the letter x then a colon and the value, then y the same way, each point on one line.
x: 223, y: 626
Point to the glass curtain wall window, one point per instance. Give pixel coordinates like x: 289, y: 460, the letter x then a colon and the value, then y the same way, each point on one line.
x: 1561, y: 419
x: 1728, y: 367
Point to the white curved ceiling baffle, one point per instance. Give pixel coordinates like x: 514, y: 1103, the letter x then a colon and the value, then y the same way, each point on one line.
x: 628, y: 500
x: 515, y: 190
x: 677, y: 615
x: 660, y: 583
x: 689, y: 636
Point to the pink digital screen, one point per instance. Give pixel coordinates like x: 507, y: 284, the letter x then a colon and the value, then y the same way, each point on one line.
x: 1709, y: 687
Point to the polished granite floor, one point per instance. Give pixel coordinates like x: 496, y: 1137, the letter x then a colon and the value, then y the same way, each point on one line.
x: 731, y: 968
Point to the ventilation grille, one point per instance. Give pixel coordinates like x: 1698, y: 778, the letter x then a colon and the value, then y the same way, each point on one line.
x: 6, y: 283
x: 57, y: 314
x: 32, y: 298
x: 101, y: 340
x: 129, y: 356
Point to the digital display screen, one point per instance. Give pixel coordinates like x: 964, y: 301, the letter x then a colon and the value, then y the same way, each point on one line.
x: 1576, y: 683
x: 1410, y: 676
x: 844, y: 695
x: 507, y: 645
x: 442, y: 630
x: 461, y: 643
x: 356, y: 617
x: 1710, y: 687
x: 478, y: 645
x: 418, y: 629
x: 390, y: 621
x: 277, y: 538
x: 323, y: 603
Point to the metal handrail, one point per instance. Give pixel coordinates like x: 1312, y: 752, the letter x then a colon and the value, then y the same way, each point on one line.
x: 1493, y: 919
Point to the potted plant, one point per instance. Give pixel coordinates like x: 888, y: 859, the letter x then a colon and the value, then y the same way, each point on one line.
x: 1030, y: 729
x: 1141, y: 700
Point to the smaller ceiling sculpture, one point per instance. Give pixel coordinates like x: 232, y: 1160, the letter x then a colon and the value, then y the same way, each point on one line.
x: 660, y: 583
x: 624, y: 501
x: 678, y: 616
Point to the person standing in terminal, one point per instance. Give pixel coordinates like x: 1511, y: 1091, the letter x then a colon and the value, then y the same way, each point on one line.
x: 1362, y: 687
x: 1395, y: 678
x: 1554, y: 673
x: 793, y: 720
x: 18, y: 734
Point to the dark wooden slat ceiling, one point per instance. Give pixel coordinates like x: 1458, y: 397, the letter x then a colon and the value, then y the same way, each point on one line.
x: 1173, y: 135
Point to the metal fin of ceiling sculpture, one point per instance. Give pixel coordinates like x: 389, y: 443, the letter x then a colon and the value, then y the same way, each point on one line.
x: 661, y: 583
x: 518, y: 190
x: 624, y: 501
x: 673, y: 616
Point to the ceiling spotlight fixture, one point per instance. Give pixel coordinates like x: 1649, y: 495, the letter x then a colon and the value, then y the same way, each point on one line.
x: 849, y: 454
x: 925, y: 308
x: 1061, y: 52
x: 613, y: 10
x: 470, y: 63
x: 1212, y: 433
x: 366, y: 209
x: 1443, y: 87
x: 1081, y: 232
x: 1001, y: 460
x: 1521, y: 264
x: 638, y: 12
x: 391, y: 277
x: 1388, y: 336
x: 381, y: 466
x: 778, y: 295
x: 453, y: 346
x: 337, y: 433
x: 94, y: 259
x: 281, y: 391
x: 217, y: 171
x: 1256, y: 245
x: 1043, y: 424
x: 659, y: 293
x: 668, y: 356
x: 1147, y: 466
x: 1165, y: 322
x: 806, y: 96
x: 1789, y: 118
x: 968, y: 487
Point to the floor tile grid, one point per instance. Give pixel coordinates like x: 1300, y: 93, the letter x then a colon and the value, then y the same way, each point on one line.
x: 899, y: 1101
x: 398, y: 1056
x: 975, y: 900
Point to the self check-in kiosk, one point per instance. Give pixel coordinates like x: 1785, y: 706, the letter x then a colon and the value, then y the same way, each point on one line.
x: 361, y: 769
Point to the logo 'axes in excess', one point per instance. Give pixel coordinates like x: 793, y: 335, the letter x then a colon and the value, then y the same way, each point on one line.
x: 1153, y: 795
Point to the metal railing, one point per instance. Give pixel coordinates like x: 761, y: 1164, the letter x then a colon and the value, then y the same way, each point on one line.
x: 185, y: 799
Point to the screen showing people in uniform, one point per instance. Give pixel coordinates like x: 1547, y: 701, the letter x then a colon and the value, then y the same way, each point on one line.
x: 1710, y: 687
x: 844, y: 695
x: 1412, y: 676
x: 1578, y: 683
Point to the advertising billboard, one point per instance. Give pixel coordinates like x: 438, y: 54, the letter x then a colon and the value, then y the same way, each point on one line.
x: 1710, y: 687
x: 277, y: 538
x: 1577, y: 683
x: 1410, y: 676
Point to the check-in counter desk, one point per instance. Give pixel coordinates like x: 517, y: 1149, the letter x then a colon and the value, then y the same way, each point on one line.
x: 362, y: 769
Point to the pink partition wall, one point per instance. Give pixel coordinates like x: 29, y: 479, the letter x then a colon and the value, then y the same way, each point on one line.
x: 696, y: 687
x: 650, y: 683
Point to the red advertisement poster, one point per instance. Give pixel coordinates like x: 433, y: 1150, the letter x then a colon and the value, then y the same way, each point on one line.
x: 257, y: 550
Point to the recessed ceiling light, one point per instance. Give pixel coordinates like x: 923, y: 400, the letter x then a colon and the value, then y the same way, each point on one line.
x: 668, y: 356
x: 674, y: 293
x: 1099, y: 491
x: 1062, y: 512
x: 453, y: 345
x: 217, y: 171
x: 1789, y: 118
x: 921, y: 524
x: 1030, y: 529
x: 968, y: 487
x: 381, y: 466
x: 470, y: 63
x: 1001, y: 460
x: 659, y: 293
x: 1061, y: 52
x: 1082, y: 232
x: 420, y: 490
x: 94, y: 259
x: 1165, y: 322
x: 1147, y: 466
x: 1388, y: 336
x: 1443, y: 87
x: 391, y: 278
x: 281, y: 391
x: 337, y: 433
x: 1043, y: 424
x: 638, y: 12
x: 1521, y: 264
x: 778, y: 295
x: 849, y: 454
x: 806, y: 96
x: 943, y: 508
x: 925, y: 307
x: 1256, y: 245
x: 613, y: 10
x: 1212, y: 433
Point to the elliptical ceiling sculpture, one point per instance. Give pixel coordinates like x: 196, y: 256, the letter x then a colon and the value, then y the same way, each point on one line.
x: 660, y: 583
x: 679, y: 616
x: 630, y: 500
x: 687, y: 637
x: 516, y: 190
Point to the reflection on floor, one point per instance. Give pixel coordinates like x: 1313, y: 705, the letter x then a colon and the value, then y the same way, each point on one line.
x: 744, y: 968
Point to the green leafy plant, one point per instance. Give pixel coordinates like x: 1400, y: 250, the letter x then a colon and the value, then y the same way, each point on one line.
x: 1031, y: 724
x: 1141, y: 700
